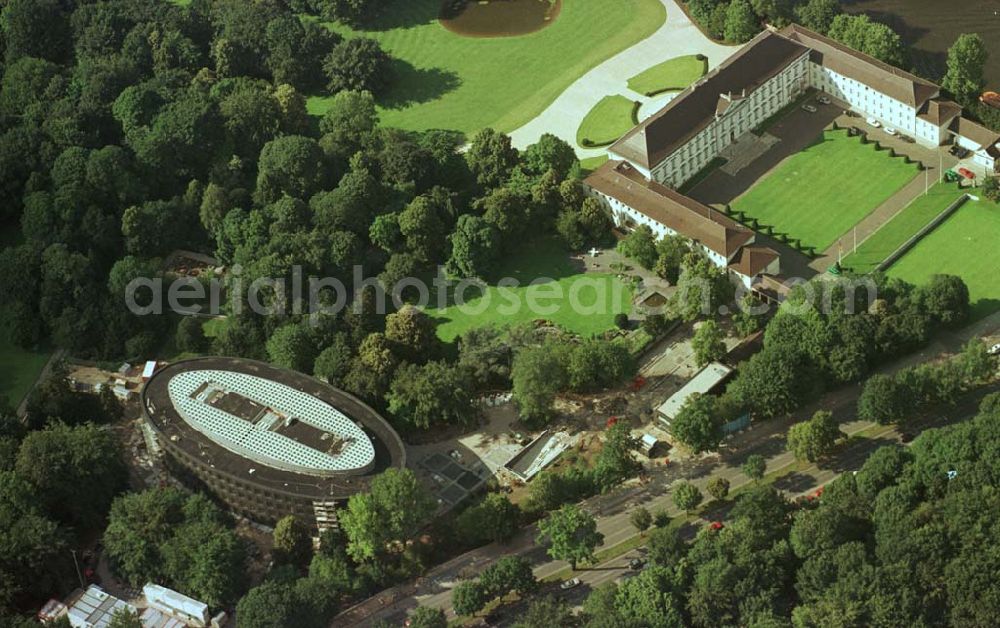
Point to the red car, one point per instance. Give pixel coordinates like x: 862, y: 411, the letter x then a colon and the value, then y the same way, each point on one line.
x: 968, y: 174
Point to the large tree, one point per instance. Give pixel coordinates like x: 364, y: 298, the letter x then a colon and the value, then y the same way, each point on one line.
x: 571, y: 534
x: 702, y: 288
x: 811, y: 440
x: 708, y: 343
x: 475, y: 248
x: 292, y: 542
x: 510, y: 573
x: 698, y: 425
x: 493, y: 519
x: 391, y: 512
x: 436, y: 393
x: 640, y: 245
x: 741, y: 22
x: 76, y: 472
x: 537, y: 374
x: 686, y: 496
x: 883, y: 400
x: 818, y: 14
x: 291, y: 165
x: 491, y: 158
x: 550, y: 153
x: 468, y: 598
x: 966, y: 61
x: 358, y: 64
x: 292, y: 346
x: 427, y: 617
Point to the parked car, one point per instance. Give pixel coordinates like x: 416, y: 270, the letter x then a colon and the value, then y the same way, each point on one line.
x: 995, y: 349
x: 809, y: 108
x: 958, y: 151
x: 569, y: 584
x: 636, y: 563
x: 890, y: 131
x: 907, y: 138
x: 873, y: 122
x: 823, y: 100
x: 965, y: 172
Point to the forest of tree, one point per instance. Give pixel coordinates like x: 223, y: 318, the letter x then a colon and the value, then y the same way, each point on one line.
x: 908, y: 540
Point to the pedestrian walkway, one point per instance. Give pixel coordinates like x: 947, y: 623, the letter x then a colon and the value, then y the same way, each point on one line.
x: 677, y: 37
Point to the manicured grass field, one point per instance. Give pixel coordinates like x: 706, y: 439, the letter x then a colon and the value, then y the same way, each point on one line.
x: 819, y: 193
x: 610, y: 118
x: 674, y: 74
x: 599, y: 295
x: 964, y: 245
x: 902, y: 227
x: 447, y: 81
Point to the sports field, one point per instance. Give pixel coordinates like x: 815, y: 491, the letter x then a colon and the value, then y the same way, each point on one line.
x: 447, y: 81
x: 611, y: 118
x: 902, y: 227
x: 673, y: 74
x: 964, y: 245
x: 819, y: 193
x: 599, y: 297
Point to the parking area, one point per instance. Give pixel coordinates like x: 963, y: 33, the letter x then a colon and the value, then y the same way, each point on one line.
x: 454, y: 477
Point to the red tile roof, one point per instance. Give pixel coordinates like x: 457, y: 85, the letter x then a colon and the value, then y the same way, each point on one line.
x: 682, y: 214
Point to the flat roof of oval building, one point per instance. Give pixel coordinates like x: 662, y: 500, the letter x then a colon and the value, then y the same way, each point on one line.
x: 270, y: 426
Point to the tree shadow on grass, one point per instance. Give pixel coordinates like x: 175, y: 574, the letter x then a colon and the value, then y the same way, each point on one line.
x: 413, y: 86
x: 405, y: 14
x: 984, y: 307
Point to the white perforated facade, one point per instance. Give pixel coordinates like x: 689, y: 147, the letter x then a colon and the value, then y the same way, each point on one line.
x: 341, y: 447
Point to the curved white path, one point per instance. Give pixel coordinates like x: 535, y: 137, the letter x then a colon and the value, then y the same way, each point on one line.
x: 677, y: 37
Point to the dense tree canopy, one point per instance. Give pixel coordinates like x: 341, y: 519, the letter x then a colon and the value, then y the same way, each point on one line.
x: 391, y: 512
x: 179, y: 539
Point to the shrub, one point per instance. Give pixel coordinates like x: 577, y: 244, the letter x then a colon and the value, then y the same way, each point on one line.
x: 621, y: 320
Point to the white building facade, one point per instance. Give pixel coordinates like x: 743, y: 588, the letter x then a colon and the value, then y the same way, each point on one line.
x: 767, y: 74
x: 735, y: 115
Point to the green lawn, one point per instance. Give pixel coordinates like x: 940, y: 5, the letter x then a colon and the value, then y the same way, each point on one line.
x: 18, y: 368
x: 599, y: 296
x: 902, y: 227
x: 819, y: 193
x: 610, y: 118
x: 674, y: 74
x: 591, y: 164
x: 964, y: 245
x: 447, y: 81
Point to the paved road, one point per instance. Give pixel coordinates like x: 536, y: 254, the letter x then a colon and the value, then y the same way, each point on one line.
x: 678, y: 36
x: 612, y: 509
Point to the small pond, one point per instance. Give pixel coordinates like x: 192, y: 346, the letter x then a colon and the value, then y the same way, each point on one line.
x: 498, y: 18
